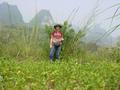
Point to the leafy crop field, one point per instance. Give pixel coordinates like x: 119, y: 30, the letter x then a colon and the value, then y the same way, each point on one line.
x: 64, y: 75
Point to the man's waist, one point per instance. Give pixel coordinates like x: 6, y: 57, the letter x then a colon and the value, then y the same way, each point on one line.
x: 56, y: 40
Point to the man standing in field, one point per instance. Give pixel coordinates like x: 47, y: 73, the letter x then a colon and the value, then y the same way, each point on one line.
x: 56, y: 42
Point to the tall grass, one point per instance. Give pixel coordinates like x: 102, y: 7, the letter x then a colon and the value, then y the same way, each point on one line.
x: 26, y: 41
x: 22, y: 42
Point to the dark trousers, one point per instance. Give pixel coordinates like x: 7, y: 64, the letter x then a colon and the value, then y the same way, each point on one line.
x: 55, y: 50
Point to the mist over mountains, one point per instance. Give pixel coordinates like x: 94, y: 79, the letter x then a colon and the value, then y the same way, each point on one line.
x: 10, y: 15
x: 97, y: 33
x: 42, y: 18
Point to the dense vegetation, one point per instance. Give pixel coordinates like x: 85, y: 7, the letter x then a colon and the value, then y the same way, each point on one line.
x: 66, y: 75
x: 24, y: 60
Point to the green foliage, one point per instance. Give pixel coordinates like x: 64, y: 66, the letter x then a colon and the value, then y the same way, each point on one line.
x: 112, y: 54
x: 36, y: 75
x: 23, y: 42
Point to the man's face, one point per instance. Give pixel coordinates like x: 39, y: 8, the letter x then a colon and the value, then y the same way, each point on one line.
x: 57, y: 28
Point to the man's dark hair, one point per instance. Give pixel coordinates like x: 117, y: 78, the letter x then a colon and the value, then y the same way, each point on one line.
x: 57, y: 25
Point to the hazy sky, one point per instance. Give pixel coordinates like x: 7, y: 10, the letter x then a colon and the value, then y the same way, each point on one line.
x: 61, y: 9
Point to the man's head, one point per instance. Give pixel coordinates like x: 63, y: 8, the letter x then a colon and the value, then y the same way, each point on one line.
x: 57, y: 27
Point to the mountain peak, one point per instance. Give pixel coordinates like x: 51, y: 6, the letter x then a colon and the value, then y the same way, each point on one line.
x: 10, y: 14
x: 4, y: 3
x: 43, y: 17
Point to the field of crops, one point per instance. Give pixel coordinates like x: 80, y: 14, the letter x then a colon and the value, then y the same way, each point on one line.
x: 63, y: 75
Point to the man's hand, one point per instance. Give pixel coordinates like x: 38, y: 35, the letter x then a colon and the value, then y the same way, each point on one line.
x: 50, y: 46
x: 62, y: 39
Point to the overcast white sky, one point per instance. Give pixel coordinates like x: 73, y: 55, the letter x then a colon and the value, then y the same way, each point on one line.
x: 61, y: 9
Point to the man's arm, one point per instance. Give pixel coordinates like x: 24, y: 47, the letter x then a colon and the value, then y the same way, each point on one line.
x: 51, y: 40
